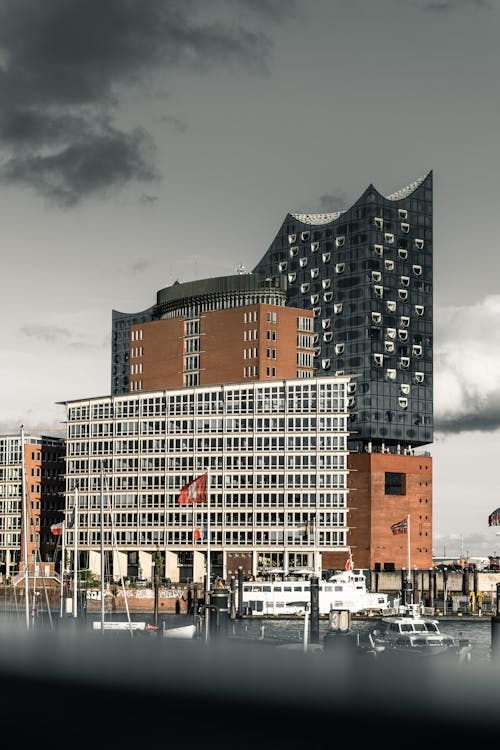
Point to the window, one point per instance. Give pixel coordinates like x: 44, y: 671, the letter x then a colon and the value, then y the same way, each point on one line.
x: 339, y: 348
x: 389, y: 346
x: 314, y: 299
x: 391, y: 305
x: 391, y: 333
x: 389, y: 238
x: 314, y: 247
x: 292, y: 277
x: 403, y: 334
x: 326, y: 257
x: 402, y: 294
x: 305, y: 236
x: 328, y: 296
x: 416, y: 350
x: 389, y: 264
x: 405, y: 227
x: 378, y: 360
x: 403, y: 402
x: 376, y: 317
x: 376, y: 276
x: 390, y: 374
x: 339, y: 268
x: 326, y: 283
x: 325, y: 364
x: 379, y: 249
x: 292, y: 238
x: 395, y: 483
x: 402, y: 213
x: 314, y: 273
x: 337, y: 308
x: 282, y: 266
x: 378, y: 221
x: 405, y: 362
x: 303, y: 262
x: 405, y: 321
x: 327, y: 337
x: 271, y: 316
x: 419, y: 244
x: 403, y: 254
x: 379, y: 290
x: 417, y: 270
x: 304, y: 288
x: 294, y: 251
x: 405, y: 281
x: 419, y: 310
x: 326, y: 323
x: 419, y: 377
x: 339, y: 241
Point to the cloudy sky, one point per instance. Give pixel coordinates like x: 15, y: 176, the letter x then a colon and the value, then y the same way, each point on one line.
x: 145, y: 142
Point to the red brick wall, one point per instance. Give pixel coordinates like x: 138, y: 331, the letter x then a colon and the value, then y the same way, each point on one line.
x: 372, y: 512
x: 162, y: 354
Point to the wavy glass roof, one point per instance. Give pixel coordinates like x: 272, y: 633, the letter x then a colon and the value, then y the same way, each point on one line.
x: 326, y: 218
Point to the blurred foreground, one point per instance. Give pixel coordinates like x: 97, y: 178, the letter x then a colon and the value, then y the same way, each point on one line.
x: 94, y: 689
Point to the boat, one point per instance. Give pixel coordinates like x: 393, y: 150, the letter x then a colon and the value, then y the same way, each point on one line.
x: 412, y: 633
x: 345, y: 590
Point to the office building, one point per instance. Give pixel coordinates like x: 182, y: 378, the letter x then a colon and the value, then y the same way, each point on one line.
x: 276, y: 453
x: 43, y: 464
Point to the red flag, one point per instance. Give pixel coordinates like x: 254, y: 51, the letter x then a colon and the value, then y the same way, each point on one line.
x: 57, y: 528
x: 348, y: 565
x: 197, y: 534
x: 400, y: 528
x: 194, y: 491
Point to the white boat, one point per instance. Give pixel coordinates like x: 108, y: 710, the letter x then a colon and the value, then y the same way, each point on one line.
x: 412, y: 633
x: 346, y: 590
x: 184, y: 631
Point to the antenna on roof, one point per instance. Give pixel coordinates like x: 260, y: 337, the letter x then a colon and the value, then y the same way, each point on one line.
x: 240, y: 269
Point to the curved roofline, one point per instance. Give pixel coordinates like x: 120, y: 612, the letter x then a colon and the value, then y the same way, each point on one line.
x: 318, y: 219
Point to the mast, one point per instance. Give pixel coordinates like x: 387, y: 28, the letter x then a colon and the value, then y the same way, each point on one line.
x: 63, y: 567
x: 75, y: 555
x: 102, y: 550
x: 25, y: 531
x: 208, y: 572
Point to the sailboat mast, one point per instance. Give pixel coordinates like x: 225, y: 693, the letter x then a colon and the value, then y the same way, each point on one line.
x: 102, y: 550
x: 25, y: 531
x: 75, y: 556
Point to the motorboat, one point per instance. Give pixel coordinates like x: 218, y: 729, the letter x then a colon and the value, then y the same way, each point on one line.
x: 412, y: 633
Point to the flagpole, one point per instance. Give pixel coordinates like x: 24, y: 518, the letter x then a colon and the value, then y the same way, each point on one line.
x: 25, y: 532
x: 75, y: 556
x: 408, y: 525
x: 207, y: 578
x: 63, y: 565
x: 102, y: 550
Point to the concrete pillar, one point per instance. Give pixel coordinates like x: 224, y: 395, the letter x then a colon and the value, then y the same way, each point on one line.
x: 119, y: 565
x: 145, y: 564
x: 95, y: 562
x: 199, y: 568
x: 171, y: 568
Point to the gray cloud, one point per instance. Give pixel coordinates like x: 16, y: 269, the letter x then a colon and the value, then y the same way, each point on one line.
x: 178, y: 125
x: 65, y: 63
x: 56, y: 335
x: 442, y: 6
x: 140, y: 266
x: 335, y: 201
x: 467, y: 368
x: 46, y: 333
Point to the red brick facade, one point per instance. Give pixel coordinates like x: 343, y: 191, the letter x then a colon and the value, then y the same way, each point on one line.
x: 372, y: 511
x: 254, y: 342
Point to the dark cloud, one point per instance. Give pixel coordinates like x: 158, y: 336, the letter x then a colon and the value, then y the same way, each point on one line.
x: 336, y: 201
x: 148, y: 200
x: 65, y: 63
x: 93, y: 163
x: 475, y: 415
x: 140, y: 266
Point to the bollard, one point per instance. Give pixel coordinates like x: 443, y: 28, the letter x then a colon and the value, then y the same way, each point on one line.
x: 314, y: 637
x: 218, y: 614
x: 240, y: 593
x: 495, y: 630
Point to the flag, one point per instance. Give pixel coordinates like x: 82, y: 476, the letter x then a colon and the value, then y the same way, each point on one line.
x: 400, y: 528
x: 197, y: 535
x: 57, y: 528
x: 494, y: 518
x: 348, y: 565
x: 194, y: 491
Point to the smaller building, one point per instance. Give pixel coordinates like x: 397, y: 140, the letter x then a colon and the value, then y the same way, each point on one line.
x: 43, y: 468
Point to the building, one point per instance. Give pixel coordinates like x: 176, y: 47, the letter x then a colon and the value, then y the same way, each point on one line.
x: 276, y: 453
x: 366, y: 274
x: 43, y: 469
x: 196, y: 334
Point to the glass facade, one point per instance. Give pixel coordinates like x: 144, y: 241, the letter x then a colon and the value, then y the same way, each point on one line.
x: 367, y: 274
